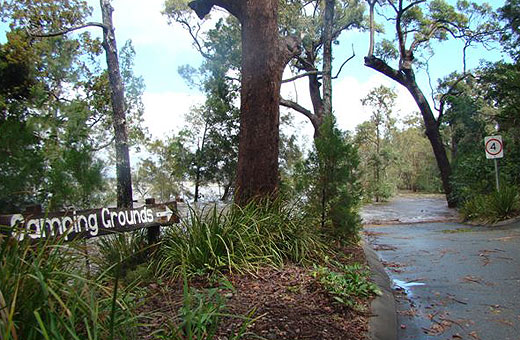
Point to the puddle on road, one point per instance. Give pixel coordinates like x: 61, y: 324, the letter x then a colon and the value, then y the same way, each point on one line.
x: 406, y: 285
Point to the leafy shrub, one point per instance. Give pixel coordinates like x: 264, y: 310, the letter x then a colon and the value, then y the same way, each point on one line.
x: 239, y: 239
x: 328, y: 180
x: 499, y: 205
x: 347, y: 286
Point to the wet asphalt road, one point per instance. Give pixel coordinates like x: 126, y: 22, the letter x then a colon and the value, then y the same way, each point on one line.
x: 451, y: 281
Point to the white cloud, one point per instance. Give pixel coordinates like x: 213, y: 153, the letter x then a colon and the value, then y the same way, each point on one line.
x: 164, y: 112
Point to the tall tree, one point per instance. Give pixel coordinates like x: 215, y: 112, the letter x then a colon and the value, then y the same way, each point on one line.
x: 416, y: 26
x: 264, y: 57
x: 41, y: 24
x: 381, y: 101
x: 320, y: 23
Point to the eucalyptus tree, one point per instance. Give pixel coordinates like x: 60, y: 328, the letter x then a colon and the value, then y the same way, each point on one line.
x: 47, y: 19
x: 95, y: 92
x: 320, y: 24
x: 264, y: 55
x: 377, y: 134
x: 417, y: 25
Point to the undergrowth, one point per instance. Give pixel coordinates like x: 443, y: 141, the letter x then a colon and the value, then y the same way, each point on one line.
x: 45, y: 293
x: 240, y: 240
x: 347, y: 284
x: 494, y: 207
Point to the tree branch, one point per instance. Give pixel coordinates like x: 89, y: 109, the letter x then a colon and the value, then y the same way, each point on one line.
x: 67, y: 30
x: 298, y: 108
x: 382, y: 67
x: 345, y: 62
x: 302, y: 75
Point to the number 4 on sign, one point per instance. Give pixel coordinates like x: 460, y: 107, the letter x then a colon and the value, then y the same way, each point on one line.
x: 494, y: 150
x: 494, y: 147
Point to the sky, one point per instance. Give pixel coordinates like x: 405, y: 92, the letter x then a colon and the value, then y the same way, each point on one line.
x: 161, y: 48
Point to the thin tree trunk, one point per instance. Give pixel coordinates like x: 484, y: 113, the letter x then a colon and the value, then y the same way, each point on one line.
x: 327, y: 56
x: 434, y: 136
x: 124, y: 179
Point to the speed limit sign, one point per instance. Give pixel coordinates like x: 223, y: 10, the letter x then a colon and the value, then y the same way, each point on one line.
x: 494, y: 147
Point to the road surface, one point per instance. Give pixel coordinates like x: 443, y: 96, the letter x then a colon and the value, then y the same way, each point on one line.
x: 451, y: 281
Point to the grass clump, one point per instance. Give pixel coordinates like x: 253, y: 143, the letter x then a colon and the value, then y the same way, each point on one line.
x: 240, y: 239
x: 45, y: 294
x: 494, y: 207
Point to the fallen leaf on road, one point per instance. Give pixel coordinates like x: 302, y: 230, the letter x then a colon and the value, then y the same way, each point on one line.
x: 505, y: 322
x: 471, y: 278
x: 503, y: 239
x: 474, y: 335
x: 456, y: 336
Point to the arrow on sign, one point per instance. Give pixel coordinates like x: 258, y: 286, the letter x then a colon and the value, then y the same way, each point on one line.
x: 167, y: 213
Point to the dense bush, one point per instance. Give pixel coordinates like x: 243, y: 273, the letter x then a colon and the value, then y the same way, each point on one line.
x: 499, y: 205
x: 239, y: 239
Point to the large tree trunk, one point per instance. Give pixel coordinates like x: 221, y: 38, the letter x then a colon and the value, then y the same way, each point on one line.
x: 262, y: 69
x: 264, y: 56
x: 124, y: 179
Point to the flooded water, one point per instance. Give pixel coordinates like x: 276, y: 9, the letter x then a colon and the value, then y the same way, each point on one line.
x: 409, y: 208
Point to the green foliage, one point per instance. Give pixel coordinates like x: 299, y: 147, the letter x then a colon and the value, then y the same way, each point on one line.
x: 239, y: 239
x: 128, y: 249
x: 415, y: 166
x: 348, y: 285
x: 329, y: 182
x: 44, y: 294
x: 499, y: 205
x: 374, y: 139
x: 161, y: 174
x: 511, y: 33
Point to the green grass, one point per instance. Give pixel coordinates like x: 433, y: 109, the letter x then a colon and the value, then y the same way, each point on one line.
x: 46, y: 294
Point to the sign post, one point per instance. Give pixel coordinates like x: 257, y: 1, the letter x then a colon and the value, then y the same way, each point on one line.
x: 494, y: 150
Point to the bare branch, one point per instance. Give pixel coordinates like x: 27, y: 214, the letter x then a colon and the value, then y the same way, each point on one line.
x: 298, y: 108
x: 67, y: 30
x: 345, y: 62
x: 302, y: 75
x: 194, y: 36
x: 415, y: 3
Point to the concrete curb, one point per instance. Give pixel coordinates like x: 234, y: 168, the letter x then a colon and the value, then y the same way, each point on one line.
x: 383, y: 324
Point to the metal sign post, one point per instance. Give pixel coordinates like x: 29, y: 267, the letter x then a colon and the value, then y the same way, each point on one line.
x: 494, y: 150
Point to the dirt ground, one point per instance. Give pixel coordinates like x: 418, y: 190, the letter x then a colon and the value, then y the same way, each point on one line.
x: 286, y: 303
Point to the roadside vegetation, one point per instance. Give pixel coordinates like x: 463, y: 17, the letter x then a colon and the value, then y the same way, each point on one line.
x: 283, y: 260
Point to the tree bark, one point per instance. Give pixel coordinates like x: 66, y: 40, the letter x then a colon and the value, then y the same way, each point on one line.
x: 327, y: 56
x: 123, y: 173
x: 264, y: 56
x: 262, y: 69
